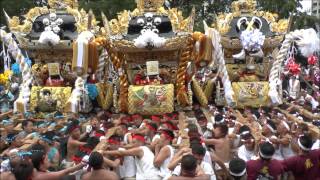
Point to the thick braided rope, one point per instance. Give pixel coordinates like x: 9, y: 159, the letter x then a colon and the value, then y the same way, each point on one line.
x: 274, y: 77
x: 15, y: 51
x: 218, y: 56
x: 182, y: 96
x: 101, y: 64
x: 118, y: 60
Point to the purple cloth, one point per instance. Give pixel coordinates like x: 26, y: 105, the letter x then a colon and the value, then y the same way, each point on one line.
x: 304, y: 167
x: 272, y: 168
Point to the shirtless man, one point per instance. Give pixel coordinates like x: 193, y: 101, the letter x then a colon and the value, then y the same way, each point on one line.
x: 41, y: 164
x: 98, y: 172
x: 221, y: 142
x: 23, y: 170
x: 14, y: 141
x: 73, y: 142
x: 189, y: 170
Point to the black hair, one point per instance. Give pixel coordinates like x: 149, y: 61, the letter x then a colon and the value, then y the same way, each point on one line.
x: 93, y: 142
x: 266, y: 149
x: 11, y: 137
x: 247, y: 136
x: 46, y: 92
x: 48, y: 136
x: 198, y: 113
x: 195, y: 140
x: 23, y: 170
x: 57, y: 114
x: 25, y: 123
x: 255, y: 112
x: 244, y: 128
x: 188, y: 163
x: 154, y: 125
x: 214, y: 70
x: 218, y: 117
x: 198, y: 149
x: 96, y: 160
x: 223, y: 128
x: 237, y: 166
x: 169, y: 132
x: 272, y: 124
x: 38, y: 154
x: 72, y: 124
x: 304, y: 127
x: 306, y: 141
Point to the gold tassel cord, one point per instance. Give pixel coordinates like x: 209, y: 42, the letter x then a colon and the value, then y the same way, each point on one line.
x: 117, y: 60
x: 199, y: 93
x: 209, y: 88
x: 182, y: 96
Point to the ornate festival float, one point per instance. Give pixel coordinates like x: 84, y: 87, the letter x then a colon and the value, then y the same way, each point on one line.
x: 250, y: 41
x: 148, y: 53
x: 150, y: 62
x: 260, y: 53
x: 41, y: 44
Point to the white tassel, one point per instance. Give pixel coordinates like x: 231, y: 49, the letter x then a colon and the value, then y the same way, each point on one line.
x: 47, y: 37
x: 309, y: 42
x: 149, y: 38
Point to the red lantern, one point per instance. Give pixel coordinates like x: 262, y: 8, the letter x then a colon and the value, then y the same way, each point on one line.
x: 312, y: 60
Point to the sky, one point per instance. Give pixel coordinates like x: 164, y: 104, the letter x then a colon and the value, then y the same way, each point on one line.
x: 306, y: 6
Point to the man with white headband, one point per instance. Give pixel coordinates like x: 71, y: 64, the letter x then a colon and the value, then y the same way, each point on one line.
x: 306, y: 164
x: 247, y: 150
x: 282, y: 141
x: 285, y: 142
x: 265, y: 167
x: 237, y: 169
x: 269, y: 129
x: 143, y: 158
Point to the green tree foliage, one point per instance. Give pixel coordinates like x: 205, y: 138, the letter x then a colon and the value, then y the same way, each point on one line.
x: 282, y: 7
x: 14, y: 8
x: 109, y: 7
x: 303, y: 21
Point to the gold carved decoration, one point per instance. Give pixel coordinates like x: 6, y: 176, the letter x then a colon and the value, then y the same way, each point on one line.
x: 248, y: 8
x: 149, y: 5
x: 120, y: 25
x: 244, y: 6
x: 21, y: 29
x: 26, y: 26
x: 63, y: 3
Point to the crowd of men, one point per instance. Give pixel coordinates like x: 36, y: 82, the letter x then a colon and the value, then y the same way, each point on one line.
x: 219, y: 143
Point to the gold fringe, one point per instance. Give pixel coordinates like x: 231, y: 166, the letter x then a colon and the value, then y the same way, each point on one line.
x: 105, y: 96
x: 209, y: 88
x: 199, y: 93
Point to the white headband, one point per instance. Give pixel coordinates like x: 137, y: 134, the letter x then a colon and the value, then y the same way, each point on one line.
x: 255, y: 117
x: 219, y: 122
x: 264, y: 156
x: 302, y: 146
x: 286, y: 125
x: 245, y: 133
x: 238, y: 174
x: 271, y: 129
